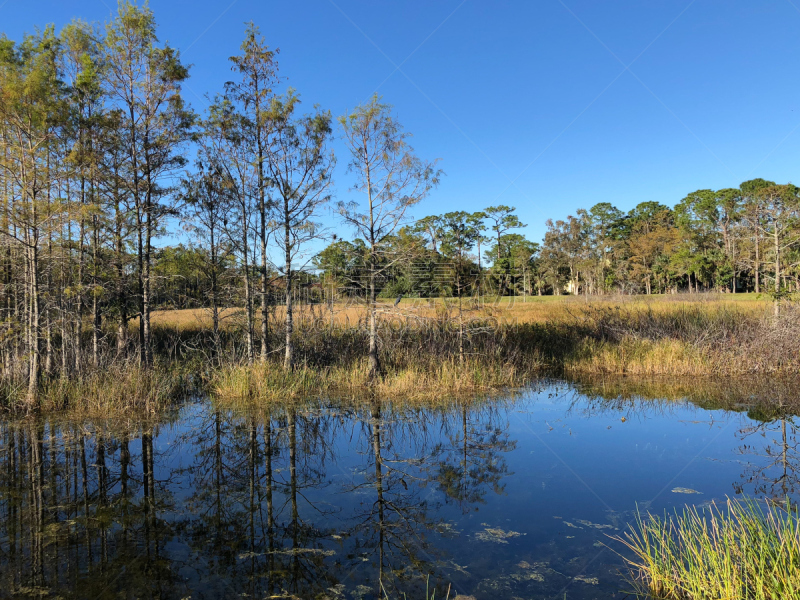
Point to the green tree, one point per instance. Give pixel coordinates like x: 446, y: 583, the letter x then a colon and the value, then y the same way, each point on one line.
x: 32, y: 106
x: 503, y: 219
x: 144, y: 81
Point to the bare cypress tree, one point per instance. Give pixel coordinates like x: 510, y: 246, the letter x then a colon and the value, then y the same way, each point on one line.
x: 392, y: 179
x: 299, y: 167
x: 81, y: 65
x: 226, y: 152
x: 117, y: 223
x: 207, y: 210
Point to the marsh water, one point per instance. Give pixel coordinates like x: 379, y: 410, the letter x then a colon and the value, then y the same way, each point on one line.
x: 516, y: 497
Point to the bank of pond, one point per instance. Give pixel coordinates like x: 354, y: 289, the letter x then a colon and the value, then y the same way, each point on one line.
x: 582, y: 489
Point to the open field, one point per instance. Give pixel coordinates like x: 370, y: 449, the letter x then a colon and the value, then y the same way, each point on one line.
x: 530, y: 309
x: 511, y: 341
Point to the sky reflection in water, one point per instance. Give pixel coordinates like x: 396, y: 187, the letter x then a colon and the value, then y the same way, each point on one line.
x: 511, y: 498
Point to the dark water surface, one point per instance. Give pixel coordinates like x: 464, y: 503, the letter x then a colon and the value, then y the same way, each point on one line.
x: 508, y: 498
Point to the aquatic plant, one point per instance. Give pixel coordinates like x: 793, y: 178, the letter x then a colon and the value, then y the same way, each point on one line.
x: 743, y: 551
x: 429, y: 595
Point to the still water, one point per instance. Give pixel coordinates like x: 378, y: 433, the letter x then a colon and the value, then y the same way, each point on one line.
x: 517, y: 497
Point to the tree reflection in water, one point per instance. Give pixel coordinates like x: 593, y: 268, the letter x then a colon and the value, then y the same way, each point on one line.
x: 224, y: 504
x: 341, y: 502
x: 773, y: 470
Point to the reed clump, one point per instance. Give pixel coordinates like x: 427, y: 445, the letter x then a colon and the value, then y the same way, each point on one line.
x: 270, y: 383
x: 689, y: 339
x: 742, y: 551
x: 106, y: 392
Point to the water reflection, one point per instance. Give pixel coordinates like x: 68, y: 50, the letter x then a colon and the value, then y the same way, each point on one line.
x: 507, y: 497
x: 772, y: 466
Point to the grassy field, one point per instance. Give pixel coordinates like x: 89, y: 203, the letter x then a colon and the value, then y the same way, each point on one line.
x: 531, y: 309
x: 511, y: 341
x: 508, y: 343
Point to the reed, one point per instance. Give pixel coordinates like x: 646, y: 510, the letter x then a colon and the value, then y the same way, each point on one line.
x: 270, y: 383
x: 427, y: 349
x: 106, y: 392
x: 742, y: 551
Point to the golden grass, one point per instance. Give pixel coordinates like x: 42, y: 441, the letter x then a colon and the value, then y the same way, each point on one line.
x: 531, y: 309
x: 115, y: 392
x: 639, y: 357
x: 269, y: 383
x: 569, y: 338
x: 513, y: 342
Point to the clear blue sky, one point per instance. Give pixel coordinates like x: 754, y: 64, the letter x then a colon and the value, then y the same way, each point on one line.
x: 528, y: 103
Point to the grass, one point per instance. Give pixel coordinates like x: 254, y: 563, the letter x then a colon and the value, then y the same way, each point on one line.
x: 101, y: 393
x: 510, y: 346
x: 740, y: 552
x: 270, y: 383
x: 532, y: 309
x: 508, y: 343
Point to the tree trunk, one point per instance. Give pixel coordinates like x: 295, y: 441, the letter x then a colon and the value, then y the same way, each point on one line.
x: 214, y: 291
x: 95, y: 299
x: 33, y: 373
x: 248, y: 300
x: 147, y: 351
x: 374, y: 362
x: 758, y: 264
x: 777, y: 247
x: 122, y: 300
x: 288, y: 359
x: 262, y: 205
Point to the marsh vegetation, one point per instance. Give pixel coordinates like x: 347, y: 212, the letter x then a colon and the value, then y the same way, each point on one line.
x: 269, y: 408
x: 740, y: 549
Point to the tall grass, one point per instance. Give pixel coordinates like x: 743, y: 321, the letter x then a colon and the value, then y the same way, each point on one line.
x: 742, y: 551
x: 117, y: 390
x: 507, y: 344
x: 271, y: 383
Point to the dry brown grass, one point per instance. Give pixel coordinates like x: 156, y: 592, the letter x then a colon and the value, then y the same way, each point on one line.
x: 694, y: 334
x: 533, y: 309
x: 507, y: 345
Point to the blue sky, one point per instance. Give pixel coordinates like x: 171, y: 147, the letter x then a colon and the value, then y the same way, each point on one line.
x: 527, y: 103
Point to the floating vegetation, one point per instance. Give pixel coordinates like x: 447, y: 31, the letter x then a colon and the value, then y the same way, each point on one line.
x: 594, y: 525
x: 683, y: 490
x: 496, y: 535
x: 289, y: 552
x: 538, y: 568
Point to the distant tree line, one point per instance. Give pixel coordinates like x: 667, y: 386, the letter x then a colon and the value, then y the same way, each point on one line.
x: 744, y: 239
x: 732, y: 240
